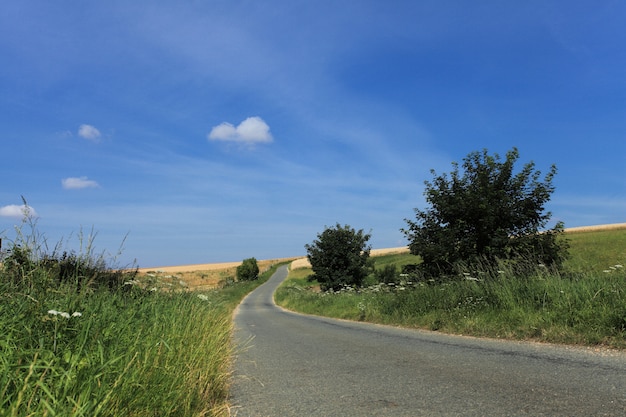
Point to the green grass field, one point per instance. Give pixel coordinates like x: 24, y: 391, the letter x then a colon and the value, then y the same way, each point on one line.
x: 596, y: 251
x: 585, y: 304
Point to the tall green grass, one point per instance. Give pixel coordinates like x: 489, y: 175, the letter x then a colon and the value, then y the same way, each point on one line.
x: 585, y: 304
x: 97, y: 342
x: 162, y: 354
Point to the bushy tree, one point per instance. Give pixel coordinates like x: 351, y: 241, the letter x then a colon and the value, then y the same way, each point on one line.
x: 485, y: 213
x: 339, y: 257
x: 387, y: 274
x: 248, y: 270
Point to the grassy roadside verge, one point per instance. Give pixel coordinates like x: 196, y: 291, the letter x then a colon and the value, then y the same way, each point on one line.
x: 585, y: 305
x: 72, y: 347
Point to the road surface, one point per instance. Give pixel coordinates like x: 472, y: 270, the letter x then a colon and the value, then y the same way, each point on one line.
x: 298, y: 365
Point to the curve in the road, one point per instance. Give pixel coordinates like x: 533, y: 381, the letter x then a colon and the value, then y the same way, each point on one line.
x: 291, y: 364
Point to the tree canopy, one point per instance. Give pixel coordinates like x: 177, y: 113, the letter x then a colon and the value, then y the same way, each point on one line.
x: 485, y: 212
x: 248, y: 270
x: 339, y: 257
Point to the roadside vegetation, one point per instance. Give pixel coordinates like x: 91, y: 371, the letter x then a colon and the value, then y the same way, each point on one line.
x: 481, y: 262
x: 339, y: 257
x: 582, y: 303
x: 83, y: 338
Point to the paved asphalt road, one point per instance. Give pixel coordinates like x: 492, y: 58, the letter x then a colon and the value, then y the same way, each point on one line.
x: 299, y: 365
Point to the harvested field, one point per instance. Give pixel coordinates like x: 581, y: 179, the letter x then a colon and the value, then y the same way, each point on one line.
x: 200, y: 276
x: 304, y: 262
x: 615, y: 226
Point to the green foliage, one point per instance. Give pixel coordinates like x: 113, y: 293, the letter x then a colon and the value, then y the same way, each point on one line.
x: 387, y: 274
x: 248, y: 270
x: 102, y: 351
x: 486, y: 213
x: 339, y: 257
x: 88, y: 357
x: 27, y: 264
x: 581, y: 303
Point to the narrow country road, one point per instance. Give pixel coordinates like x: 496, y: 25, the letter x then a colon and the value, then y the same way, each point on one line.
x: 299, y: 365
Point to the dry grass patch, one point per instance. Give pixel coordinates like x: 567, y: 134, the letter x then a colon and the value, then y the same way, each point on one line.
x: 200, y: 276
x: 598, y: 228
x: 304, y: 262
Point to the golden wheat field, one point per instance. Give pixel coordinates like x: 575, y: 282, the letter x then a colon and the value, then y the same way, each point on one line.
x: 202, y: 276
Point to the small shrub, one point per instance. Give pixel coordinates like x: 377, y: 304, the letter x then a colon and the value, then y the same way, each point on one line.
x: 387, y: 274
x: 248, y: 270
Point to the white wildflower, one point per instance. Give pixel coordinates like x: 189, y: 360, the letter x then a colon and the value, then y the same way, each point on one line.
x: 64, y: 314
x: 203, y: 297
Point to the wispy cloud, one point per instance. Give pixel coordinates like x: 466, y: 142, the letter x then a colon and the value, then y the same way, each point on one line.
x: 89, y: 132
x: 252, y: 130
x: 75, y: 183
x: 15, y: 211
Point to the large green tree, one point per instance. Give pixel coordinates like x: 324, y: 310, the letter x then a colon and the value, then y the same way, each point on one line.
x: 339, y: 257
x: 485, y: 212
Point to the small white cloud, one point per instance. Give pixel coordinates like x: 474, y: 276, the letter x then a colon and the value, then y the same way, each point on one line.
x: 15, y: 211
x: 89, y: 132
x: 225, y: 131
x: 252, y: 130
x: 74, y: 183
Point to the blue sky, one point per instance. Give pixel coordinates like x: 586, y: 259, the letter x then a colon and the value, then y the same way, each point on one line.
x: 213, y: 131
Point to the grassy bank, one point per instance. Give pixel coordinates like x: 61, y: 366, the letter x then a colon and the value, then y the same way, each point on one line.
x: 585, y: 304
x: 97, y: 342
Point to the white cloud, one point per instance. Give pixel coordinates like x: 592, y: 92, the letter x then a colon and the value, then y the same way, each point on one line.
x: 74, y: 183
x: 89, y: 132
x: 225, y: 131
x: 252, y: 130
x: 13, y: 210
